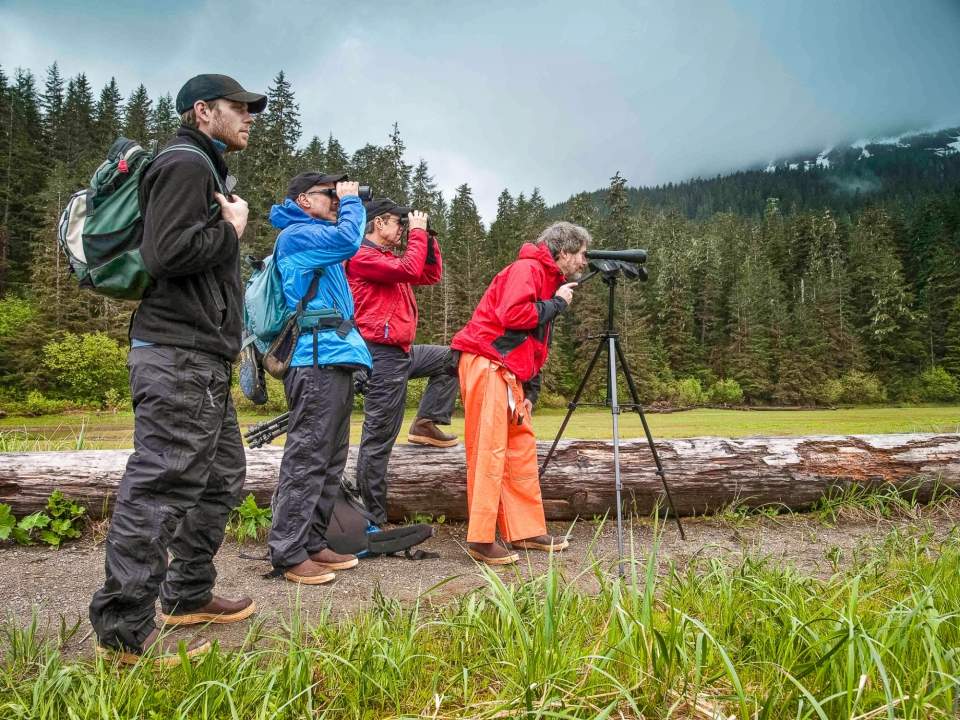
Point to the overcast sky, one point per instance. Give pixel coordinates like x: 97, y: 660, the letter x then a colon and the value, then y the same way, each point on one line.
x: 557, y: 95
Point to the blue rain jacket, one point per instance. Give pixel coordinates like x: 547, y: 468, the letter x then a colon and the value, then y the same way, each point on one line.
x: 306, y: 243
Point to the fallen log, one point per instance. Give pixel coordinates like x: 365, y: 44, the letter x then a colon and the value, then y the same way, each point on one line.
x: 705, y: 474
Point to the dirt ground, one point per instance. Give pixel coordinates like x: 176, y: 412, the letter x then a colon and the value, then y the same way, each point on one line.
x: 58, y: 584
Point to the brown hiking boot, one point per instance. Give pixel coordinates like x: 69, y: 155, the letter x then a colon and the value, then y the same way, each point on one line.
x: 334, y: 561
x: 158, y: 649
x: 309, y: 573
x: 491, y: 553
x: 425, y: 432
x: 547, y: 543
x: 219, y: 610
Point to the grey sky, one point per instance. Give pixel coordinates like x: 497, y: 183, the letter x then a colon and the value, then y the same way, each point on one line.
x: 557, y: 95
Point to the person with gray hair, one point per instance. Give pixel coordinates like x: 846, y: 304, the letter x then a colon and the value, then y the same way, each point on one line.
x: 502, y: 351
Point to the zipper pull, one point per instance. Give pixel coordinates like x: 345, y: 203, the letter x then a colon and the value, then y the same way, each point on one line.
x: 386, y: 329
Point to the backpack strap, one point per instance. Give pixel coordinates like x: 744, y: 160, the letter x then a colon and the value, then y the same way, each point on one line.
x: 197, y: 151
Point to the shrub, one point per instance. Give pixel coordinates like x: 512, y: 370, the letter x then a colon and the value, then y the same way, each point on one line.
x: 37, y: 404
x: 83, y: 368
x: 726, y: 392
x: 855, y: 388
x: 15, y: 313
x: 687, y: 391
x: 937, y: 385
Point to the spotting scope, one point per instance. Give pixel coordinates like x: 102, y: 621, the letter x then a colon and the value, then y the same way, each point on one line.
x: 637, y: 257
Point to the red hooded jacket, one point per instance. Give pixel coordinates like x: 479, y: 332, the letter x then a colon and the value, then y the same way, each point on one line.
x: 386, y: 310
x: 511, y: 325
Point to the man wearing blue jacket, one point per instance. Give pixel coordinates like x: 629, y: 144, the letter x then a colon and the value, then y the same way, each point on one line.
x: 321, y: 224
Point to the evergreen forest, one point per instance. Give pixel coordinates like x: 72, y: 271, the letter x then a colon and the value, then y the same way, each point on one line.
x: 805, y: 283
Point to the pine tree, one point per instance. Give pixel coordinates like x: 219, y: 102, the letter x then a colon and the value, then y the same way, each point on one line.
x: 6, y: 112
x: 52, y: 103
x: 24, y: 175
x: 399, y: 181
x: 164, y: 121
x: 108, y: 123
x: 535, y: 219
x: 270, y: 162
x: 79, y: 131
x: 951, y: 344
x: 504, y: 236
x: 336, y: 158
x: 136, y: 115
x: 468, y: 276
x: 313, y: 156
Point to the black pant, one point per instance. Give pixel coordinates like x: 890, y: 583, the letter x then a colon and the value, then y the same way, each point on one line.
x: 184, y: 477
x: 383, y: 406
x: 318, y: 437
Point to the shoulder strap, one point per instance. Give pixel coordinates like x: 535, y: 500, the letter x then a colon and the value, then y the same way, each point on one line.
x: 197, y: 151
x: 311, y: 290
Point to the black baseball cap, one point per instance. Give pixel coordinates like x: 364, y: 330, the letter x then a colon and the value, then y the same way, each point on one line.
x: 211, y: 87
x: 382, y: 206
x: 306, y: 180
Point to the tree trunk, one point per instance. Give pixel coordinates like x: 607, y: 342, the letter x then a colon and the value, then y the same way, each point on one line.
x: 704, y: 474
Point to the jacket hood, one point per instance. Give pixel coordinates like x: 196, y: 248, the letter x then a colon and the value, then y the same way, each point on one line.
x: 540, y: 253
x: 289, y: 213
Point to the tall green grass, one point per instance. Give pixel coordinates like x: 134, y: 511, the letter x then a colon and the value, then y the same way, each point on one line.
x: 750, y: 639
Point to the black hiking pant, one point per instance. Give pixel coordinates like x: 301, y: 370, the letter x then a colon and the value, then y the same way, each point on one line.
x: 184, y: 477
x: 383, y: 406
x: 318, y: 437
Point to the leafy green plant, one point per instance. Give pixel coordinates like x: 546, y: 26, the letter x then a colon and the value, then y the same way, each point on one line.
x: 66, y: 518
x: 62, y: 520
x: 249, y: 521
x: 426, y: 519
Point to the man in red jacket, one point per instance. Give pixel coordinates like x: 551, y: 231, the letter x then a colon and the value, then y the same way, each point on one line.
x: 502, y: 350
x: 386, y: 316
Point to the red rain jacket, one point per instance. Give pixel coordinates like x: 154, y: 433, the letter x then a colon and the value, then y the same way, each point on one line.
x: 385, y: 308
x: 511, y: 325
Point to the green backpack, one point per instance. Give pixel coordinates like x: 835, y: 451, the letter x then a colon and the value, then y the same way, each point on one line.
x: 101, y: 228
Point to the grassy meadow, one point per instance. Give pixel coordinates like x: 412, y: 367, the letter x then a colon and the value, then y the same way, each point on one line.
x: 115, y: 430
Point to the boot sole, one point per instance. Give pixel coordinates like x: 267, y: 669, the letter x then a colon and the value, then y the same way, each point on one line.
x: 218, y: 618
x: 309, y: 579
x: 171, y: 660
x: 345, y: 565
x: 424, y: 440
x: 555, y: 547
x: 487, y: 560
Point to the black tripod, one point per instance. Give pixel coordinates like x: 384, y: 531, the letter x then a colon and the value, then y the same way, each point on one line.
x: 611, y: 341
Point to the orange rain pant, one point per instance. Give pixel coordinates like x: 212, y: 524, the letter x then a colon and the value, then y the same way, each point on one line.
x: 503, y: 483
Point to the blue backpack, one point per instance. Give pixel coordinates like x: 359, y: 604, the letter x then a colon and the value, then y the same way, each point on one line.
x: 271, y: 329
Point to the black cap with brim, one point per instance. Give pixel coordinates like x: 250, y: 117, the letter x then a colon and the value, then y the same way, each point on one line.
x: 210, y: 87
x: 306, y: 180
x: 382, y: 206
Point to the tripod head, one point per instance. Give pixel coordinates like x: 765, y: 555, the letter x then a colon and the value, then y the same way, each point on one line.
x: 612, y: 263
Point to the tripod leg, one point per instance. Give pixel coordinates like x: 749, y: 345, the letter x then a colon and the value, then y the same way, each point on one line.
x: 615, y: 415
x: 572, y: 406
x: 646, y: 429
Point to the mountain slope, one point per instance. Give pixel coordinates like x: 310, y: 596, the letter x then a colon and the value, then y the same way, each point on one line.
x: 842, y: 177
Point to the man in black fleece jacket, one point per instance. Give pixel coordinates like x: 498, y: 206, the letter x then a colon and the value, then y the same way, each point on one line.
x: 188, y: 466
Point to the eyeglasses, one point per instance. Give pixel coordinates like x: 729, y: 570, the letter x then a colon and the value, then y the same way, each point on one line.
x: 329, y: 192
